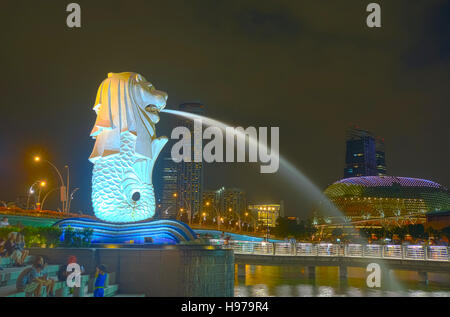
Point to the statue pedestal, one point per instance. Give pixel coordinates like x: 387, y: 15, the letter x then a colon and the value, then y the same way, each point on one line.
x: 153, y: 231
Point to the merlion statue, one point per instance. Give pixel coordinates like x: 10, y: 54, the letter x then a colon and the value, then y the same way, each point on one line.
x: 126, y: 147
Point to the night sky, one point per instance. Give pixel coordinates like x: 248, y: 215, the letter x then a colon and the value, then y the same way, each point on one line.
x: 312, y: 68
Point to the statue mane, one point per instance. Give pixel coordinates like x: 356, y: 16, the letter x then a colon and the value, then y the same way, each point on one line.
x: 119, y: 108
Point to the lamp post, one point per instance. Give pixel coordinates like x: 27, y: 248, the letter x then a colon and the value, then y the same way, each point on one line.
x: 38, y: 204
x: 63, y: 189
x: 189, y: 211
x: 31, y: 191
x: 71, y: 197
x: 204, y: 214
x: 246, y: 215
x: 46, y: 195
x: 204, y: 218
x: 67, y: 189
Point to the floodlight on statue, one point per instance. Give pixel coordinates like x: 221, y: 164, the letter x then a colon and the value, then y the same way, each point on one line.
x: 126, y: 147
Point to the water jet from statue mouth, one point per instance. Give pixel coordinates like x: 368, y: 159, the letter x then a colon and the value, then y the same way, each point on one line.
x: 152, y: 109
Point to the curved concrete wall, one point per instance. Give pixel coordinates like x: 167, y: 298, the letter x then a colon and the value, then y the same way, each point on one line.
x: 179, y: 271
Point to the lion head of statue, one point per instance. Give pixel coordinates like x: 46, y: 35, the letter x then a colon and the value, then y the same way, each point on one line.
x: 126, y: 102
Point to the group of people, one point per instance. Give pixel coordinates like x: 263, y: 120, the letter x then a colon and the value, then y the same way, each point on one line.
x: 33, y: 279
x: 14, y: 248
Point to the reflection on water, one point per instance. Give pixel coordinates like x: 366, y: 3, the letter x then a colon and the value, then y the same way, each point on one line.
x: 293, y: 281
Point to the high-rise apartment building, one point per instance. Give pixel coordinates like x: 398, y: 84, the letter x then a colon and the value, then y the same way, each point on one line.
x: 365, y: 155
x: 190, y: 174
x: 231, y: 201
x: 168, y: 208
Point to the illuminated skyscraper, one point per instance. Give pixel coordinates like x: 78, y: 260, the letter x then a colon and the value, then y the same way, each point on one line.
x: 190, y: 174
x: 380, y: 157
x: 365, y: 154
x: 168, y: 209
x: 209, y: 199
x: 231, y: 201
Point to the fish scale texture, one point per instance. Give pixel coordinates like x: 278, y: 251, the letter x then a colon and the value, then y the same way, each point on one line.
x: 113, y: 183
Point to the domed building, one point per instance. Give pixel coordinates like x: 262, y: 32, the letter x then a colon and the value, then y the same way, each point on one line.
x: 369, y: 197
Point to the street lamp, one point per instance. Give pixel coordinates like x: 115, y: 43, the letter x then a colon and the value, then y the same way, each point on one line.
x: 31, y: 190
x: 64, y: 191
x: 45, y: 197
x: 41, y: 185
x: 71, y: 197
x: 189, y: 211
x: 204, y: 218
x: 204, y: 214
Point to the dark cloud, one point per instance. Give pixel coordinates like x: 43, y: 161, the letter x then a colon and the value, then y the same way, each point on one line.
x: 268, y: 25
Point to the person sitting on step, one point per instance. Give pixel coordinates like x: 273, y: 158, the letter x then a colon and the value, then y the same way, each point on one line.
x: 10, y: 245
x: 2, y: 250
x: 31, y: 280
x: 19, y: 254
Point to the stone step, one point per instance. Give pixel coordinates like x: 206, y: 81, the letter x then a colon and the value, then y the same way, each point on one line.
x: 129, y: 295
x: 10, y: 291
x: 110, y: 291
x: 60, y: 290
x: 9, y: 276
x: 8, y: 262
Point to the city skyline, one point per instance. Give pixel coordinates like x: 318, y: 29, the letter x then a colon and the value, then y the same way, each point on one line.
x: 254, y: 64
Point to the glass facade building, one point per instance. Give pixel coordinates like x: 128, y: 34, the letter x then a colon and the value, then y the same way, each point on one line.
x: 168, y: 206
x: 365, y: 154
x: 182, y: 183
x: 190, y: 174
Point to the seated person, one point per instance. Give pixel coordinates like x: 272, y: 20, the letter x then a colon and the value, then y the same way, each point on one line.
x: 2, y: 250
x: 10, y: 245
x: 19, y: 254
x: 63, y: 274
x: 32, y: 279
x: 4, y: 222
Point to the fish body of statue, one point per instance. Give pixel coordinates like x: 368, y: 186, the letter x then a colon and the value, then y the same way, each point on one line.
x: 126, y: 148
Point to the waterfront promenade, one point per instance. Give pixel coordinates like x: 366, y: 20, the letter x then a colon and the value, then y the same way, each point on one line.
x: 420, y: 258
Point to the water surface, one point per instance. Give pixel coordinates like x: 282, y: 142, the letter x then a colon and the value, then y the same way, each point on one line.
x: 293, y: 281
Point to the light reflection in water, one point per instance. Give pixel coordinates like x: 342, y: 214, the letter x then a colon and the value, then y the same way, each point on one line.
x: 305, y: 291
x: 293, y: 281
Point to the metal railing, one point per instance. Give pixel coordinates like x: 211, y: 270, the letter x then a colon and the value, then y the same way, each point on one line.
x: 405, y: 252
